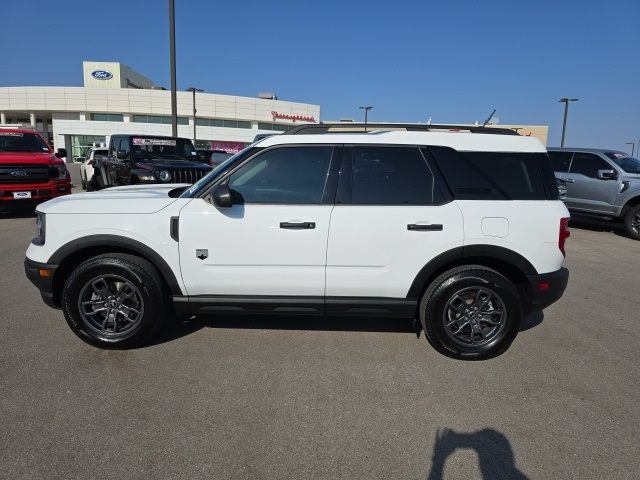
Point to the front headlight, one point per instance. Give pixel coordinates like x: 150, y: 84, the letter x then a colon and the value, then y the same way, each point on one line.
x: 62, y: 172
x: 164, y: 176
x: 41, y: 229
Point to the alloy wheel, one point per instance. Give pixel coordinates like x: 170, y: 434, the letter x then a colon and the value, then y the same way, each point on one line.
x: 474, y: 316
x: 110, y: 306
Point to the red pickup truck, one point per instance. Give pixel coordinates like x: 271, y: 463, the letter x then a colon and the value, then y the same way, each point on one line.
x: 29, y: 170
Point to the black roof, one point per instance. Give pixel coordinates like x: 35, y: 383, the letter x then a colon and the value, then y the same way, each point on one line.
x: 353, y: 127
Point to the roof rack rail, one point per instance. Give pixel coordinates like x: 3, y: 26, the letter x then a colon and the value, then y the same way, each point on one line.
x: 344, y: 127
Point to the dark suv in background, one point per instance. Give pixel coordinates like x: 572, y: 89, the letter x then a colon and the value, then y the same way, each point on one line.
x: 599, y: 182
x: 134, y: 159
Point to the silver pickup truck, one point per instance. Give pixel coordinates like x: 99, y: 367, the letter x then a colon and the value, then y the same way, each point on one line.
x: 604, y: 183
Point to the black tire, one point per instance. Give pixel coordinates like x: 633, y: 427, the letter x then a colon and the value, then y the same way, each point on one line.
x: 84, y: 184
x: 92, y: 185
x: 632, y: 222
x: 142, y: 290
x: 435, y: 312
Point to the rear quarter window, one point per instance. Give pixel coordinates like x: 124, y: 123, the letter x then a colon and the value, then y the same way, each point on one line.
x: 497, y: 175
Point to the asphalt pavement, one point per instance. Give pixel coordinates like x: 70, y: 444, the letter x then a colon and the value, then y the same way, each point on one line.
x: 240, y: 398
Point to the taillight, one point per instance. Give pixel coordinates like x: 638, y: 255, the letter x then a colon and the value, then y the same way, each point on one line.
x: 564, y: 234
x: 91, y: 162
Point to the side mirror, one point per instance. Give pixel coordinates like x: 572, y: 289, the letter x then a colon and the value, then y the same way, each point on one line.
x: 220, y: 196
x: 607, y: 174
x: 122, y: 155
x: 61, y: 153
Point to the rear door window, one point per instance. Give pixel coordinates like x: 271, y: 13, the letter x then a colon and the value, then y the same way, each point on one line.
x: 497, y: 175
x: 560, y: 161
x: 388, y: 176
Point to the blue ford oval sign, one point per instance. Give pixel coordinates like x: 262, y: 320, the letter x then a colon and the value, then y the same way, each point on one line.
x: 101, y: 75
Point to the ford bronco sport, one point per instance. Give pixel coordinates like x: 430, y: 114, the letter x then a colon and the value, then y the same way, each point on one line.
x: 461, y: 231
x: 29, y: 170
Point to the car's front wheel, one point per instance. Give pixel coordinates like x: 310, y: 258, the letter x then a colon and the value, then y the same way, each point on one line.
x: 632, y: 222
x: 115, y: 301
x: 470, y: 312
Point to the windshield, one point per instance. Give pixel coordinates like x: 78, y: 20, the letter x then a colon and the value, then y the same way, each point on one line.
x: 173, y: 148
x: 21, y: 142
x: 628, y: 164
x: 217, y: 170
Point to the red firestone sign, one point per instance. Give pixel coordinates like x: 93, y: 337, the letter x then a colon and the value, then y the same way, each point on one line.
x: 294, y: 117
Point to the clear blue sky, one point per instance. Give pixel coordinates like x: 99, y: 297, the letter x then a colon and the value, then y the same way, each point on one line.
x: 453, y: 61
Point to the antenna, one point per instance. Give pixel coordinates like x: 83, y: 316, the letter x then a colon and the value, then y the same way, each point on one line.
x: 488, y: 119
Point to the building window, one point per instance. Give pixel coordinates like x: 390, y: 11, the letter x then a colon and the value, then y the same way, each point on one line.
x: 274, y: 127
x: 164, y: 119
x: 107, y: 117
x: 217, y: 122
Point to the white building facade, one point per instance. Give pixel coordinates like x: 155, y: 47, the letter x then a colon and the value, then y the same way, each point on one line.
x: 116, y: 99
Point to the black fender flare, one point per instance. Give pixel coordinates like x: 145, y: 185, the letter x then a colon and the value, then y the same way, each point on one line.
x: 107, y: 240
x: 458, y: 254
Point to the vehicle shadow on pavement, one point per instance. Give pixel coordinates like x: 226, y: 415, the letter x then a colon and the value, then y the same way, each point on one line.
x: 597, y: 225
x: 495, y: 455
x: 23, y: 212
x: 181, y: 327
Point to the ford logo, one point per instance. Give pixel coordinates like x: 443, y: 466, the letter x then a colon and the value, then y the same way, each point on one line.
x: 19, y: 173
x: 101, y: 75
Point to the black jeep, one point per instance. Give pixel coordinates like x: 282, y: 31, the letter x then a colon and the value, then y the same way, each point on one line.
x: 136, y: 159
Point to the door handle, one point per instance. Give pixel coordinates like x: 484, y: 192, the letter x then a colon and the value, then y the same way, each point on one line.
x: 298, y: 225
x: 431, y: 227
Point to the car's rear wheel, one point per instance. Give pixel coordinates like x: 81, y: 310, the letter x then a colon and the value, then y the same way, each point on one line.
x: 115, y: 301
x: 632, y: 222
x: 470, y: 312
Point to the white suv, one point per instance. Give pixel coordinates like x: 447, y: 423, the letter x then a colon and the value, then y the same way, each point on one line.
x: 462, y: 231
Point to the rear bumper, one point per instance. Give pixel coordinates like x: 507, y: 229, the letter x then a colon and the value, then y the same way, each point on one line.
x: 547, y: 288
x: 38, y: 191
x: 33, y: 271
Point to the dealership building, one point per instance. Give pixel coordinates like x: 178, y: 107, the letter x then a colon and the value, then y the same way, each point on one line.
x: 116, y: 99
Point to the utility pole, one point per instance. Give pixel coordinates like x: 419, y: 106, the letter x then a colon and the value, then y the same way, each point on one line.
x: 633, y: 147
x: 366, y: 109
x: 172, y: 61
x: 194, y: 90
x: 566, y: 101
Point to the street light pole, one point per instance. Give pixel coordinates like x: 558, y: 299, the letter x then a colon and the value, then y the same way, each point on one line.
x: 566, y: 101
x: 172, y: 61
x: 366, y: 109
x: 194, y: 90
x: 633, y: 147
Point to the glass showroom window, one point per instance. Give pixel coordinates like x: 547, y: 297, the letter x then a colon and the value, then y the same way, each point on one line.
x: 159, y: 119
x: 107, y: 117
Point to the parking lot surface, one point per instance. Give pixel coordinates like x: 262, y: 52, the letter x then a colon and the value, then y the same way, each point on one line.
x: 312, y: 398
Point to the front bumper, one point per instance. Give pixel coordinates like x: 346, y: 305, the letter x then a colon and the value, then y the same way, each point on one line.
x: 547, y: 288
x: 41, y: 275
x: 38, y: 191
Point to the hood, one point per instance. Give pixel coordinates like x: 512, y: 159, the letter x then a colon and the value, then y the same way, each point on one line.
x: 155, y: 164
x: 630, y: 176
x: 29, y: 158
x: 129, y: 199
